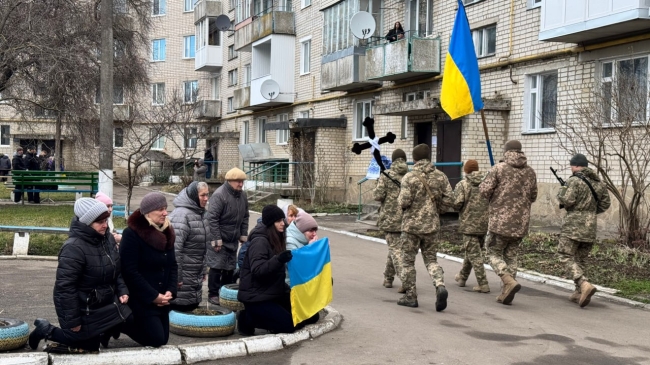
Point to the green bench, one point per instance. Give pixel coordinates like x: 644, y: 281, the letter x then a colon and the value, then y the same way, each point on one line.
x: 78, y: 182
x: 21, y: 236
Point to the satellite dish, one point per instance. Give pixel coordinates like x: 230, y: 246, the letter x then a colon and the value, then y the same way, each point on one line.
x: 223, y: 22
x: 270, y: 89
x: 362, y: 25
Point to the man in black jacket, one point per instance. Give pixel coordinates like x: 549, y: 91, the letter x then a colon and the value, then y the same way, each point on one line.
x: 33, y: 163
x: 18, y: 163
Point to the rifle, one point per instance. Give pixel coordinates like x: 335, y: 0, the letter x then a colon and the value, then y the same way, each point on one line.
x: 562, y: 182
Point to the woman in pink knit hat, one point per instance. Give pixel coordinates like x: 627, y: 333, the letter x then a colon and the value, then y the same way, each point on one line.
x: 109, y: 204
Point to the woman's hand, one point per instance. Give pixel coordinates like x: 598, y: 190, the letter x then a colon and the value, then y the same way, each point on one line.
x: 124, y: 299
x: 162, y: 300
x: 76, y: 329
x: 117, y: 237
x: 217, y: 245
x: 314, y: 239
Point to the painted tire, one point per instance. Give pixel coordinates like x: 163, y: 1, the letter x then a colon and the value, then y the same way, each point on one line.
x: 228, y: 297
x: 13, y: 334
x: 193, y: 325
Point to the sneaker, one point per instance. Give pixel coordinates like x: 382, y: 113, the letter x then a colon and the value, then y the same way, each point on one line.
x: 441, y: 298
x: 214, y: 299
x: 408, y: 302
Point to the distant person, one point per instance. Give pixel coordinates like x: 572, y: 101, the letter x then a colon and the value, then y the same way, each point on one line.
x: 396, y: 33
x: 208, y: 159
x: 5, y: 167
x: 18, y: 163
x: 33, y: 163
x: 199, y: 170
x: 109, y: 205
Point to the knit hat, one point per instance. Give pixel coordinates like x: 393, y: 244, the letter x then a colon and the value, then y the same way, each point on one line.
x: 470, y: 165
x: 192, y: 191
x: 579, y: 160
x: 398, y: 153
x: 512, y: 145
x: 304, y: 222
x: 421, y: 152
x: 271, y: 214
x: 235, y: 174
x: 103, y: 198
x: 152, y: 201
x: 89, y: 210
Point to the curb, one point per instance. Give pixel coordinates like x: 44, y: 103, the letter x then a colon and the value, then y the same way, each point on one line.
x: 184, y: 354
x: 29, y: 257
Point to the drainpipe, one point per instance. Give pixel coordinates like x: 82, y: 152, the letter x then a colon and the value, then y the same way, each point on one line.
x: 510, y: 32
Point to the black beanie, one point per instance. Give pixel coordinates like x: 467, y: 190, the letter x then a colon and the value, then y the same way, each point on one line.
x: 193, y: 192
x: 421, y: 152
x: 579, y: 160
x: 271, y: 214
x: 398, y: 153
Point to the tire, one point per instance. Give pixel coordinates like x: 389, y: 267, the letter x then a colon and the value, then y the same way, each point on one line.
x: 193, y: 325
x: 13, y: 334
x: 228, y: 297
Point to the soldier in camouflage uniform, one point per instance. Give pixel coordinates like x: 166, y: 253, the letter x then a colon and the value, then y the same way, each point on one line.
x: 420, y: 222
x: 579, y: 229
x: 473, y: 208
x: 511, y: 188
x: 390, y: 213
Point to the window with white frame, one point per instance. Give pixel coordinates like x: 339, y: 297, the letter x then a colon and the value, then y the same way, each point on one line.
x: 416, y: 95
x: 305, y: 3
x: 215, y: 87
x: 305, y: 56
x: 158, y: 140
x: 303, y: 114
x: 190, y: 138
x: 231, y: 52
x: 534, y: 3
x: 189, y: 46
x: 282, y: 135
x: 188, y: 5
x: 190, y: 91
x: 243, y: 10
x: 467, y: 2
x: 362, y: 110
x: 261, y: 133
x: 158, y: 50
x: 541, y: 103
x: 118, y: 94
x: 336, y: 23
x: 158, y: 93
x: 231, y: 107
x: 159, y: 7
x: 232, y: 77
x: 485, y: 40
x: 5, y: 135
x: 244, y: 132
x: 624, y: 91
x: 247, y: 74
x: 118, y: 137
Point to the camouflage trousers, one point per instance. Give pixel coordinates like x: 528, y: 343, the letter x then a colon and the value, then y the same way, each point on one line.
x: 472, y: 244
x: 503, y: 253
x: 573, y: 255
x: 392, y: 265
x: 411, y: 243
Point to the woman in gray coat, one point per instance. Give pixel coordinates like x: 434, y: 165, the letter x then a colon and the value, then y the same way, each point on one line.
x: 190, y: 223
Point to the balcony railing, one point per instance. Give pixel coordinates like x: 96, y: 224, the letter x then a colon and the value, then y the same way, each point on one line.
x: 207, y: 109
x: 406, y: 58
x: 272, y: 21
x: 208, y: 58
x: 345, y: 70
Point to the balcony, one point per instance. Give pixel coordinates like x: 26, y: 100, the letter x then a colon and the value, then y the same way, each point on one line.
x: 207, y: 9
x: 404, y: 59
x: 269, y: 22
x: 209, y: 54
x: 208, y: 58
x: 345, y: 70
x: 242, y: 98
x: 430, y: 105
x: 208, y: 109
x: 578, y: 21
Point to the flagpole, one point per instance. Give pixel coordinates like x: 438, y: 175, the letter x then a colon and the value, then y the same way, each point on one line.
x: 487, y: 138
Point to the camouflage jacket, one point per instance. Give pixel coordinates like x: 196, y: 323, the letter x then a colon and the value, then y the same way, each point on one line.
x: 420, y: 213
x: 511, y: 188
x: 471, y: 205
x: 386, y: 192
x: 580, y: 220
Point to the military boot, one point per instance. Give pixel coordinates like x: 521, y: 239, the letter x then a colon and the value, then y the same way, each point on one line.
x: 459, y: 279
x: 586, y: 292
x: 388, y: 283
x: 42, y: 331
x: 408, y: 301
x: 401, y: 290
x: 575, y: 297
x: 441, y: 298
x: 510, y: 288
x: 482, y: 288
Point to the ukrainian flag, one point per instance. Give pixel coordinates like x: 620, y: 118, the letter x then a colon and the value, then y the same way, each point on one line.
x: 461, y: 80
x: 310, y: 275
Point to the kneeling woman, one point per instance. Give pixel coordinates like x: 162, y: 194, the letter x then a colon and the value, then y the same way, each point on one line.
x: 262, y: 286
x: 89, y: 294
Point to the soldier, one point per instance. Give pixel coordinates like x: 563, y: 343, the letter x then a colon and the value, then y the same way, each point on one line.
x: 583, y: 196
x: 473, y: 208
x: 424, y: 194
x: 390, y: 213
x: 511, y: 188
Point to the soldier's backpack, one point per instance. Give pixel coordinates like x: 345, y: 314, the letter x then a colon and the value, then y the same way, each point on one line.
x: 600, y: 207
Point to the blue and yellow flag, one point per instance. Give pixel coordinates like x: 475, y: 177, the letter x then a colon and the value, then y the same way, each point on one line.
x: 461, y: 80
x: 310, y: 275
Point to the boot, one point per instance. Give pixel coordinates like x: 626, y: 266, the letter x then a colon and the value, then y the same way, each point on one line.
x: 510, y: 288
x: 241, y: 327
x: 587, y: 290
x: 388, y: 283
x: 441, y: 298
x: 41, y: 332
x: 482, y: 288
x: 575, y: 297
x: 408, y: 301
x: 459, y: 279
x: 401, y: 290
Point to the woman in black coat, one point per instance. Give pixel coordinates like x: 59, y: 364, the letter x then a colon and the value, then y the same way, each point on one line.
x: 89, y: 294
x: 150, y: 271
x: 396, y: 33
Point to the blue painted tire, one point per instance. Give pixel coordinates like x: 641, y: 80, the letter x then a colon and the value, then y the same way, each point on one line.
x: 194, y: 325
x: 228, y: 297
x: 13, y: 334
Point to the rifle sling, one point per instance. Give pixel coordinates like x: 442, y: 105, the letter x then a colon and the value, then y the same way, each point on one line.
x: 426, y: 186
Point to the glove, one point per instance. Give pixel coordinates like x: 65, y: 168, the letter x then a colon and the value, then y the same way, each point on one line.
x: 285, y: 256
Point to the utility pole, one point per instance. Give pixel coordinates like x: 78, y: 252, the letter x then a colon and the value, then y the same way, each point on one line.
x: 106, y: 106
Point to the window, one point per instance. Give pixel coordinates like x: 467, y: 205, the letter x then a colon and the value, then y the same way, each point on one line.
x: 242, y: 10
x: 232, y: 77
x: 247, y: 74
x: 159, y: 7
x: 282, y: 135
x: 305, y: 52
x: 118, y: 94
x: 534, y: 4
x: 118, y: 137
x: 158, y: 50
x: 215, y: 87
x: 244, y: 132
x: 305, y: 3
x: 624, y: 87
x: 261, y: 133
x: 214, y: 34
x: 467, y: 2
x: 304, y: 114
x: 417, y: 95
x: 232, y: 26
x: 231, y: 52
x: 420, y: 17
x: 485, y: 41
x: 5, y: 134
x: 158, y: 140
x: 542, y: 102
x: 232, y: 4
x: 336, y: 23
x: 158, y: 93
x: 190, y: 91
x: 231, y: 107
x: 363, y: 109
x: 188, y: 5
x: 190, y: 138
x: 189, y: 46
